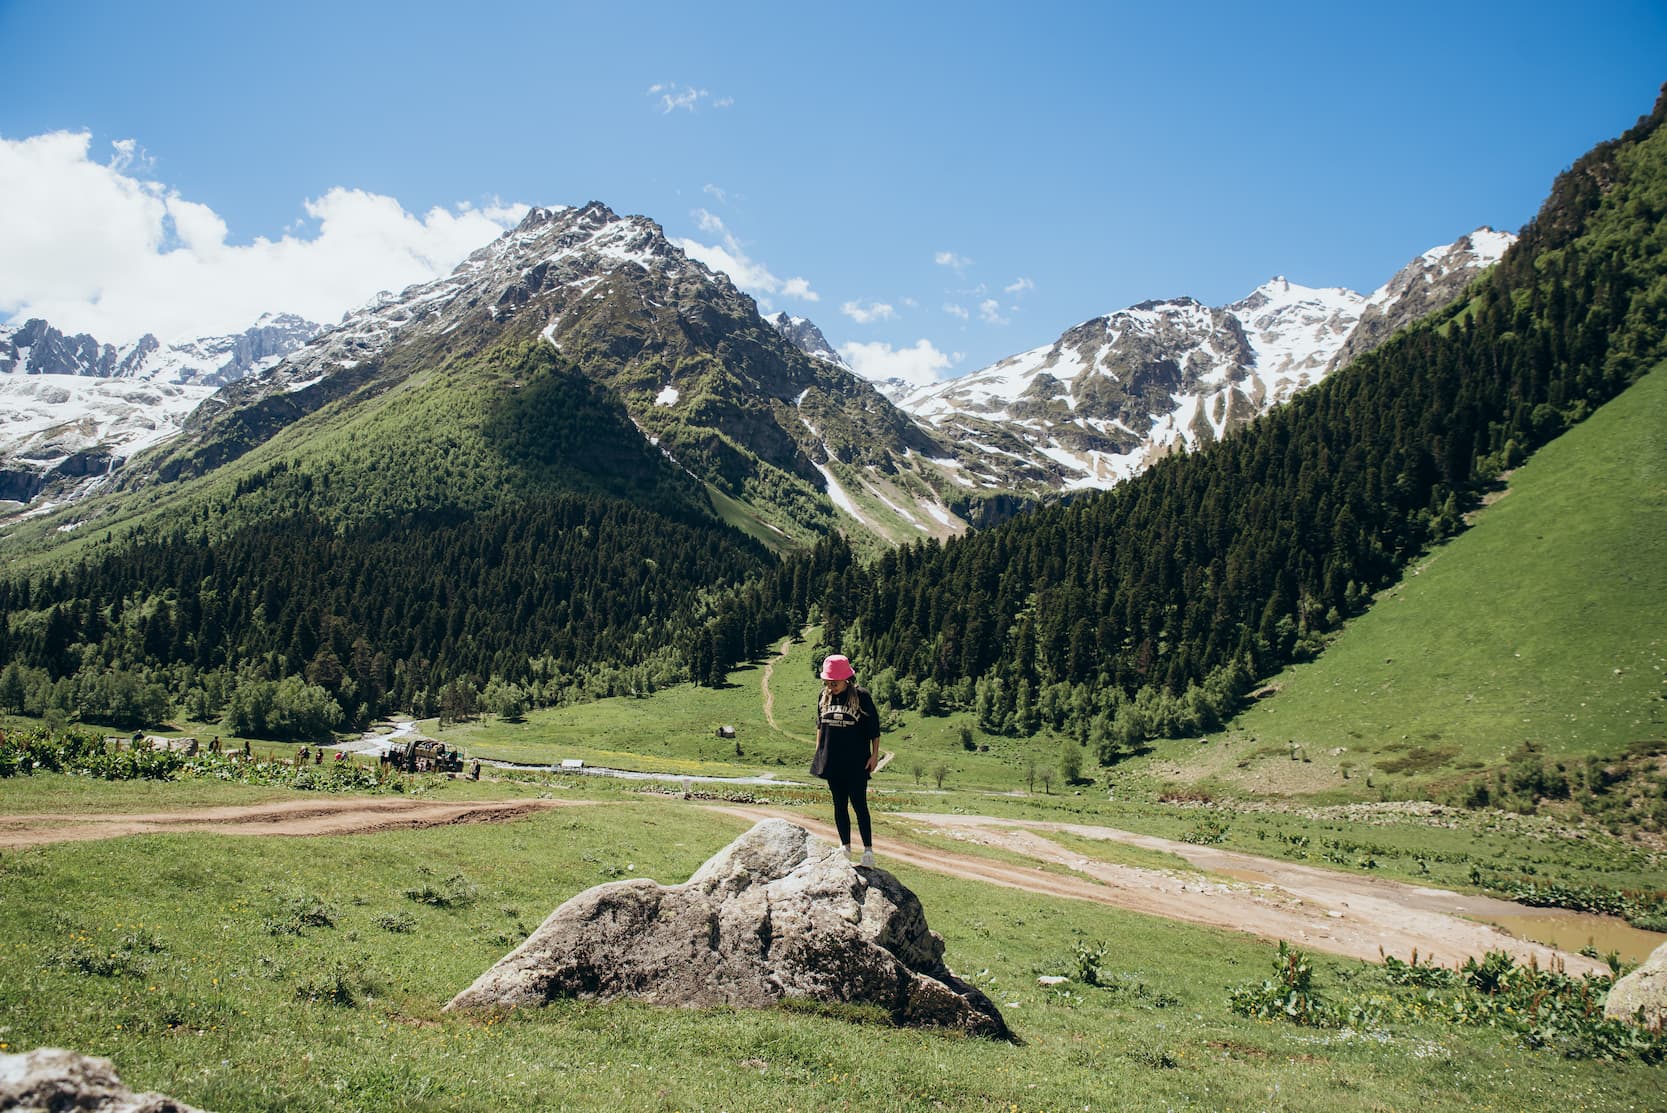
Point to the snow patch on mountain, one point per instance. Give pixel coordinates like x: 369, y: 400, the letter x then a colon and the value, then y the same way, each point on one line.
x: 75, y: 409
x: 1110, y: 396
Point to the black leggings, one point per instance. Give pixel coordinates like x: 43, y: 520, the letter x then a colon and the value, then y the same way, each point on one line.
x: 854, y: 793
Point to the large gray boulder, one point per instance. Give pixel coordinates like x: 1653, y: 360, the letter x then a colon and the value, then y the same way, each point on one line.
x: 779, y: 913
x: 1645, y: 988
x: 49, y: 1080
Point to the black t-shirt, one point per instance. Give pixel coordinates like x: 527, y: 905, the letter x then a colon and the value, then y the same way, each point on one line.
x: 848, y: 735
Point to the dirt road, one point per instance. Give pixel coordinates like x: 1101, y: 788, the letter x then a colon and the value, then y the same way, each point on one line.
x: 1322, y: 910
x: 768, y: 698
x: 347, y: 815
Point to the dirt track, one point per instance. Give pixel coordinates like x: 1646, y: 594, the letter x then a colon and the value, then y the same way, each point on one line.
x: 1320, y: 909
x: 1323, y: 910
x: 348, y: 815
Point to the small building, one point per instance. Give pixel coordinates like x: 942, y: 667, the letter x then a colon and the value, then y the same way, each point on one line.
x: 572, y: 763
x: 726, y: 732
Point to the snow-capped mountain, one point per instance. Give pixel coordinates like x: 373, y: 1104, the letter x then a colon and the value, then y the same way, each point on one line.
x: 1097, y: 405
x: 728, y: 395
x: 700, y: 373
x: 71, y: 407
x: 804, y: 334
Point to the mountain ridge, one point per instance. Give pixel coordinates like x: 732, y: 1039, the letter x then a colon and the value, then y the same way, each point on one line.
x: 968, y: 452
x: 1116, y: 392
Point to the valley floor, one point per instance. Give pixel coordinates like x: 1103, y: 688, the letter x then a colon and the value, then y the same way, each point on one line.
x: 1322, y: 909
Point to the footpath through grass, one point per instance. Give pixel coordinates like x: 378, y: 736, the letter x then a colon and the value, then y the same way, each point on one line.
x: 264, y: 974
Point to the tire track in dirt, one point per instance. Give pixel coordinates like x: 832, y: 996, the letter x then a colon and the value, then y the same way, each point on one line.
x: 292, y: 818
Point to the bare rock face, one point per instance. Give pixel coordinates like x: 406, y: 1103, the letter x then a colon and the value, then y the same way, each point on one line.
x: 776, y: 914
x: 1645, y: 988
x: 49, y: 1079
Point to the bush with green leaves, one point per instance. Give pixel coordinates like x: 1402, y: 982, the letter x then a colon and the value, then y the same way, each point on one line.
x: 1544, y: 1009
x: 1288, y: 995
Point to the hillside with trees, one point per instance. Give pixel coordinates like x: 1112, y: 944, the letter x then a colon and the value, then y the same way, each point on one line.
x: 1149, y: 611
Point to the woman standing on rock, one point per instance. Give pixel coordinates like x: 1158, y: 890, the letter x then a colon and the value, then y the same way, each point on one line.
x: 847, y: 749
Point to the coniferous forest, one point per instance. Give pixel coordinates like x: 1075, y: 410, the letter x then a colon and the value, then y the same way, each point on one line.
x: 1143, y: 612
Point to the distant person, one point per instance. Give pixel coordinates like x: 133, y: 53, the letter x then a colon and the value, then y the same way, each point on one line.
x: 847, y: 749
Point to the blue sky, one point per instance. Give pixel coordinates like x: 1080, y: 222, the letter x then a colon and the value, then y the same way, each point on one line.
x: 936, y: 185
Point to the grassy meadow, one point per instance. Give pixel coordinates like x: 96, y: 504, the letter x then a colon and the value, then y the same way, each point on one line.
x: 1545, y: 623
x: 246, y: 974
x: 676, y: 731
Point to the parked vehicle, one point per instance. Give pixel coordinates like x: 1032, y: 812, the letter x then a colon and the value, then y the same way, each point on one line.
x: 424, y: 755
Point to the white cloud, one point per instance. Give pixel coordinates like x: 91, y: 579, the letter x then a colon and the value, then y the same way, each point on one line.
x: 715, y: 191
x: 93, y: 249
x: 673, y: 96
x: 989, y: 311
x: 864, y: 314
x: 953, y: 261
x: 130, y: 156
x: 955, y: 310
x: 1021, y: 286
x: 918, y: 365
x: 730, y: 258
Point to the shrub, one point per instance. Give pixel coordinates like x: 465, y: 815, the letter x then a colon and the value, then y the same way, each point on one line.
x: 1288, y: 995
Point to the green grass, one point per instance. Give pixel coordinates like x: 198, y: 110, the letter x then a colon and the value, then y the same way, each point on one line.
x: 251, y: 974
x: 1545, y: 623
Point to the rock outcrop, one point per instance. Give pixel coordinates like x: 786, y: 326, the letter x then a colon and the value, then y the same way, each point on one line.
x: 777, y: 914
x: 1643, y: 989
x: 52, y: 1079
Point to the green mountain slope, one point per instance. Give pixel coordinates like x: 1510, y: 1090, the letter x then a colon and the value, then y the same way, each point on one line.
x: 416, y: 431
x: 1545, y: 624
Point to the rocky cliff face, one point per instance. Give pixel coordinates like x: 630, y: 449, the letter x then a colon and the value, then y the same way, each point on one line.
x: 1423, y: 286
x: 806, y: 337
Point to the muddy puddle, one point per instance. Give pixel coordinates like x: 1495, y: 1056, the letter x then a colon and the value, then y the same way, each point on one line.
x: 1253, y: 877
x: 1570, y: 931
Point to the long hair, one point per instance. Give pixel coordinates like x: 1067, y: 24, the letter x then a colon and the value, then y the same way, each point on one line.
x: 848, y: 699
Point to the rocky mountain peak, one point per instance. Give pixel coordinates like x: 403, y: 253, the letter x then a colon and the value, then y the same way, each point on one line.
x: 806, y: 337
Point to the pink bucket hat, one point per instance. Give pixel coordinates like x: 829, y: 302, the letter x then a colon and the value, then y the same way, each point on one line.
x: 836, y: 666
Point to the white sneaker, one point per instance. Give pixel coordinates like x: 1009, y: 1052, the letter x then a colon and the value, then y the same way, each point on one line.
x: 867, y: 857
x: 848, y: 855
